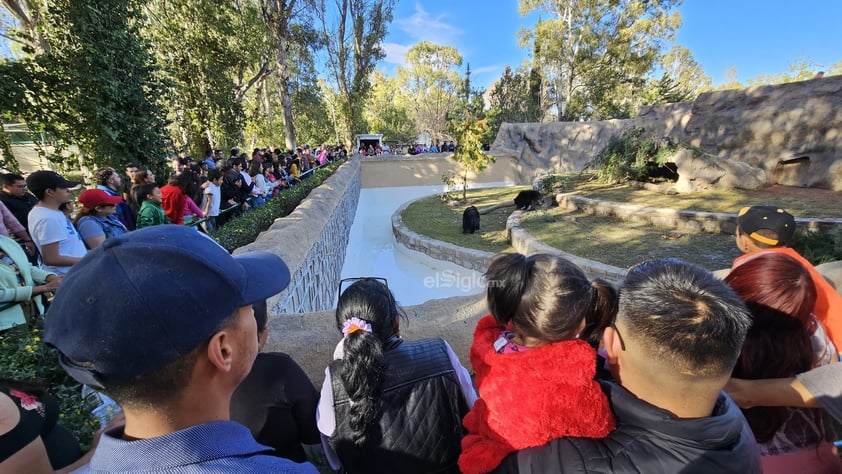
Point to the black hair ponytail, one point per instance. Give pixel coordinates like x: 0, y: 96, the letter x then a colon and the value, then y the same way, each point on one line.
x: 364, y: 363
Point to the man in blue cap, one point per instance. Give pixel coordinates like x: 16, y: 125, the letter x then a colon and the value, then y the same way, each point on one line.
x: 161, y: 320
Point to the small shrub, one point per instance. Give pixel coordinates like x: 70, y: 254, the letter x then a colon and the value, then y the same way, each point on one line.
x: 450, y: 185
x: 25, y: 357
x: 628, y: 157
x: 819, y: 247
x: 244, y: 229
x: 552, y: 183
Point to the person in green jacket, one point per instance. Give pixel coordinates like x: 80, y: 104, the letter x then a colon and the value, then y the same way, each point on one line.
x: 151, y: 212
x: 20, y: 282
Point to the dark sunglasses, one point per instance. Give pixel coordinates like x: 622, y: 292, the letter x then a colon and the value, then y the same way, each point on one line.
x: 346, y: 282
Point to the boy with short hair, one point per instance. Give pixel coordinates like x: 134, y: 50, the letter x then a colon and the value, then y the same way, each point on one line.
x: 213, y: 199
x: 53, y: 233
x: 770, y: 229
x: 150, y: 213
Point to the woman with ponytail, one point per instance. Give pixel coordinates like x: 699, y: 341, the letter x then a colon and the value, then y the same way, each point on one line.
x: 389, y: 405
x: 535, y: 359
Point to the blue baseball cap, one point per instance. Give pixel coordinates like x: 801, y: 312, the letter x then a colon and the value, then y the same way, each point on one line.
x: 143, y: 299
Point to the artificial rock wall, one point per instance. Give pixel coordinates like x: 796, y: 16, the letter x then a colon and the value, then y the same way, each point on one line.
x: 312, y: 242
x: 788, y: 134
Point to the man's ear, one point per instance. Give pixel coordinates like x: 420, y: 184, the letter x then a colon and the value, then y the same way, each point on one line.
x: 220, y: 351
x: 612, y: 345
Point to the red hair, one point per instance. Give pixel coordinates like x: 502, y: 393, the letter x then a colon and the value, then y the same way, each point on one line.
x: 781, y: 296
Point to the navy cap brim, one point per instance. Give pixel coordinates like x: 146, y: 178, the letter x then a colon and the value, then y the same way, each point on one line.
x: 268, y: 275
x: 82, y: 375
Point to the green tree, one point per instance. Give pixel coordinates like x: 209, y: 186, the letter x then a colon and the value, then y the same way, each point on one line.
x: 23, y: 30
x: 289, y: 23
x: 684, y: 71
x: 595, y: 54
x: 730, y: 79
x: 214, y: 52
x: 386, y: 110
x: 800, y: 69
x: 431, y: 86
x: 470, y: 132
x: 513, y: 100
x: 352, y: 35
x: 96, y: 86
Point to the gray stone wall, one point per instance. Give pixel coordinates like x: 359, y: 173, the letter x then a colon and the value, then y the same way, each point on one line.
x: 312, y: 242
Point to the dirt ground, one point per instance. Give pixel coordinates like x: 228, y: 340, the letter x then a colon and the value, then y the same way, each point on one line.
x: 808, y: 194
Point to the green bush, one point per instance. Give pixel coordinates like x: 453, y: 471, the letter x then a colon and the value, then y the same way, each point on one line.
x: 819, y: 247
x: 626, y: 156
x: 244, y: 229
x: 25, y: 357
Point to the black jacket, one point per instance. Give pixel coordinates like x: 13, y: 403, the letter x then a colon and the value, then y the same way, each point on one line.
x: 649, y: 440
x: 419, y: 424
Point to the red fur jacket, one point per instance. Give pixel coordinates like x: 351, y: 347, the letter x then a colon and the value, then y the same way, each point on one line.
x: 529, y: 398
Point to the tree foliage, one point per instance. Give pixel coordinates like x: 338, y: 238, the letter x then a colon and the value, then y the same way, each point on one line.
x: 512, y: 99
x: 386, y: 110
x: 431, y: 86
x: 209, y: 57
x: 352, y: 36
x: 95, y: 86
x: 470, y: 132
x: 595, y: 54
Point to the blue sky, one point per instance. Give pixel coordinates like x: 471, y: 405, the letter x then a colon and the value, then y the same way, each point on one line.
x: 755, y: 36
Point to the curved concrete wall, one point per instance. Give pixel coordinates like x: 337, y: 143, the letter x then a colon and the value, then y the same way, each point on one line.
x: 427, y: 169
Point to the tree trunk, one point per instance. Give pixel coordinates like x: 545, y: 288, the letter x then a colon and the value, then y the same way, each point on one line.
x: 286, y: 100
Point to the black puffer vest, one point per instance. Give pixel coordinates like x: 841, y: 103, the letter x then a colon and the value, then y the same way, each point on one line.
x: 419, y: 425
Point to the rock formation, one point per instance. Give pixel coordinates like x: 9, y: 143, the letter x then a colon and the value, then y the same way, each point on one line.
x: 788, y: 134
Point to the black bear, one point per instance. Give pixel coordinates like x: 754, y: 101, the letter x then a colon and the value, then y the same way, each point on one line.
x: 525, y: 199
x: 470, y: 220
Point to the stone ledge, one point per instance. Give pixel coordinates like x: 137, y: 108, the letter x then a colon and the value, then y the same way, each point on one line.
x: 527, y: 244
x: 478, y: 260
x: 698, y: 221
x: 469, y: 258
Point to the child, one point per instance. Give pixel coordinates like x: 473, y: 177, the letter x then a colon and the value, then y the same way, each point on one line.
x: 389, y: 405
x: 534, y: 359
x: 762, y: 229
x: 213, y: 198
x: 151, y: 212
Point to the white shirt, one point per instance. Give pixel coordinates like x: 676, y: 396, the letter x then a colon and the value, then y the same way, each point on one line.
x: 214, y: 193
x: 47, y: 226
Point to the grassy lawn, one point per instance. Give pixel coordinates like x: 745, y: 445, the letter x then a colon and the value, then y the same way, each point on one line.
x: 435, y: 218
x: 622, y: 243
x: 604, y: 239
x: 712, y: 201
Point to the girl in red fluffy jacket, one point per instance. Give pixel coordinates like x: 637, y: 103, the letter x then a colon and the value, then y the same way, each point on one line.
x: 535, y: 360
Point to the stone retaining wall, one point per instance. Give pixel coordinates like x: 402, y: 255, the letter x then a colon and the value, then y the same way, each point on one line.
x: 478, y: 260
x: 710, y: 222
x: 312, y: 241
x: 428, y: 168
x: 469, y: 258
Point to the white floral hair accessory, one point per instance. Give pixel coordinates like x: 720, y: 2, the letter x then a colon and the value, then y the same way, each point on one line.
x: 355, y: 324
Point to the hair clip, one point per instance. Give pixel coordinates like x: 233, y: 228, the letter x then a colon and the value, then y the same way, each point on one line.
x: 355, y: 324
